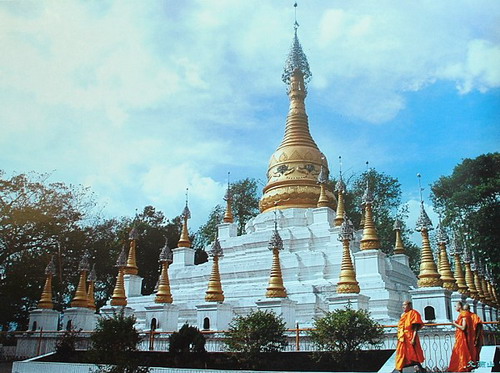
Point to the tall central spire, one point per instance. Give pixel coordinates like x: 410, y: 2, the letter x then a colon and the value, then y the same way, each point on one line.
x: 294, y: 167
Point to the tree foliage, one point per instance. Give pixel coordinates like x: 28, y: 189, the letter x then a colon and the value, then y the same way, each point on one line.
x: 469, y: 200
x: 343, y: 332
x: 187, y: 339
x: 259, y: 331
x: 113, y: 342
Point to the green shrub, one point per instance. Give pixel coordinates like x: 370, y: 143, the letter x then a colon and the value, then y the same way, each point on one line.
x: 260, y: 331
x: 113, y: 341
x: 187, y: 339
x: 343, y: 332
x: 65, y: 344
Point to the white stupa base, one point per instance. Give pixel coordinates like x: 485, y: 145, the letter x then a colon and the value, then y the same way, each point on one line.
x: 214, y: 316
x: 353, y: 301
x: 283, y: 307
x: 433, y: 303
x: 457, y: 297
x: 109, y: 311
x: 80, y: 318
x: 401, y: 258
x: 42, y: 318
x: 166, y: 316
x: 183, y: 257
x: 480, y: 311
x: 133, y: 285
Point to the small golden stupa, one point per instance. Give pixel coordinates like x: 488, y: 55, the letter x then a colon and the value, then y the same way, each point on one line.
x: 163, y: 294
x: 276, y: 289
x: 81, y: 298
x: 46, y: 297
x: 119, y: 298
x: 347, y: 283
x: 214, y: 292
x: 131, y: 267
x: 449, y: 281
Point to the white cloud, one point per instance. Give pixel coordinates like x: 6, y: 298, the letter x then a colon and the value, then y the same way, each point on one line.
x: 147, y: 98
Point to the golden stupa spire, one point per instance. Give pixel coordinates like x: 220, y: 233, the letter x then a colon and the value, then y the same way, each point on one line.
x: 90, y: 293
x: 214, y: 292
x: 469, y: 276
x: 294, y: 167
x: 323, y: 200
x: 370, y: 240
x: 119, y: 298
x: 429, y: 275
x: 484, y: 285
x: 399, y: 247
x: 340, y: 188
x: 46, y: 297
x: 81, y: 298
x: 131, y: 267
x: 459, y: 273
x: 347, y: 283
x: 163, y: 294
x: 276, y: 289
x: 228, y: 215
x: 449, y: 281
x: 184, y: 240
x: 477, y: 281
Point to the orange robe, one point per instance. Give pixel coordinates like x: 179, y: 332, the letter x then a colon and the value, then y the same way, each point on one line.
x: 461, y: 357
x: 476, y: 334
x: 407, y: 353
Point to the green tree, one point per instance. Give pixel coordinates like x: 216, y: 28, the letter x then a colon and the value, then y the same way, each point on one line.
x: 245, y: 201
x: 206, y: 233
x: 343, y: 332
x: 114, y: 341
x: 469, y: 200
x: 259, y: 331
x: 38, y: 219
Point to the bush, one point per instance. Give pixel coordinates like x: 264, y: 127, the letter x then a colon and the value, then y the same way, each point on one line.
x: 65, y: 345
x: 343, y: 332
x: 187, y: 339
x: 113, y: 341
x: 260, y: 331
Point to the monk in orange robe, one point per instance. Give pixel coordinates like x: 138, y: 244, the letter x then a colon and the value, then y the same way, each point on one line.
x: 476, y: 336
x: 461, y: 357
x: 409, y: 351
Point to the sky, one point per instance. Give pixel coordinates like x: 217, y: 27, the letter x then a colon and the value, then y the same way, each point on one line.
x: 141, y: 99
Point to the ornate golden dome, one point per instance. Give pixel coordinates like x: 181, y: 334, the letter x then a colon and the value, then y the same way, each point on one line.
x: 292, y: 176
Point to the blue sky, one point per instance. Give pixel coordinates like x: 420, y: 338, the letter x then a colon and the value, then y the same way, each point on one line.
x: 139, y: 100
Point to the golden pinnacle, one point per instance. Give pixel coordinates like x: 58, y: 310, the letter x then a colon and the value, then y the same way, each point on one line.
x: 339, y: 216
x: 460, y: 277
x: 184, y: 240
x: 370, y: 239
x: 131, y: 267
x: 347, y: 283
x: 214, y: 292
x: 469, y: 280
x: 46, y: 298
x: 81, y: 298
x: 428, y: 276
x: 163, y: 295
x: 445, y: 272
x: 323, y: 200
x: 119, y: 298
x: 276, y: 289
